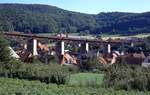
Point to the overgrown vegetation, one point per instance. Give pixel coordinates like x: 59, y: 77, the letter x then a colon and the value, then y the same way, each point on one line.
x: 92, y: 64
x: 127, y: 77
x: 23, y: 87
x: 44, y: 73
x: 4, y: 51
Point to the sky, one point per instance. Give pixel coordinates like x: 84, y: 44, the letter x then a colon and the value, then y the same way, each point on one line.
x: 92, y: 6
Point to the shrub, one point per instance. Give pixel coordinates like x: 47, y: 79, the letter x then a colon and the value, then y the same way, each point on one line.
x: 127, y: 77
x: 90, y: 63
x: 5, y: 56
x: 72, y: 68
x: 45, y: 73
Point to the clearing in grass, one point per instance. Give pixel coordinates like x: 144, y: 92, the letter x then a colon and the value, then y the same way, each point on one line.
x: 86, y: 79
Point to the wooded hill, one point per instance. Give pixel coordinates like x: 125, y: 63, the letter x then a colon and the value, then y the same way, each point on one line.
x: 36, y: 18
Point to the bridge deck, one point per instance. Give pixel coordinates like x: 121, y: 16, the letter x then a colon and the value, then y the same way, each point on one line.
x: 65, y: 39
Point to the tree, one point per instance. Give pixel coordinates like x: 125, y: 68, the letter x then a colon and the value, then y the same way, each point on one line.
x: 5, y: 56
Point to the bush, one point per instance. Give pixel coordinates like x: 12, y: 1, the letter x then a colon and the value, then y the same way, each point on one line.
x: 73, y: 68
x: 90, y: 62
x: 127, y: 77
x: 45, y: 73
x: 5, y: 56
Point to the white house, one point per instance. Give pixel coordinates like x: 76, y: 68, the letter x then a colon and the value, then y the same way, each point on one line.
x: 13, y: 53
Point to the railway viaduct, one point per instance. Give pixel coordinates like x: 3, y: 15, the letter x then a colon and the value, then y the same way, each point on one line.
x: 60, y: 42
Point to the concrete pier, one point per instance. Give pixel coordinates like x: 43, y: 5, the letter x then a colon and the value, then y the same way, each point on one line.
x: 35, y: 47
x: 84, y: 47
x: 62, y: 48
x: 87, y: 47
x: 109, y: 48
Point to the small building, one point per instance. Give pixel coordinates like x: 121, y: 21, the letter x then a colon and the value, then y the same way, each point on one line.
x: 146, y: 62
x: 13, y: 53
x: 134, y: 58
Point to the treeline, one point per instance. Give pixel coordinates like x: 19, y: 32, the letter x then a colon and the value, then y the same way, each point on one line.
x: 49, y: 19
x: 123, y: 23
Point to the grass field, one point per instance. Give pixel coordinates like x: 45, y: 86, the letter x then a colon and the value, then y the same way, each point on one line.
x: 86, y: 79
x: 105, y: 37
x: 24, y: 87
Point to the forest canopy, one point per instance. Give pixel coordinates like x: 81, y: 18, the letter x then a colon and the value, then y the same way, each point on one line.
x: 36, y: 18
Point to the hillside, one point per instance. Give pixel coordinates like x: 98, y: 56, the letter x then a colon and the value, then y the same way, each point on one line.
x: 123, y: 23
x: 47, y: 19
